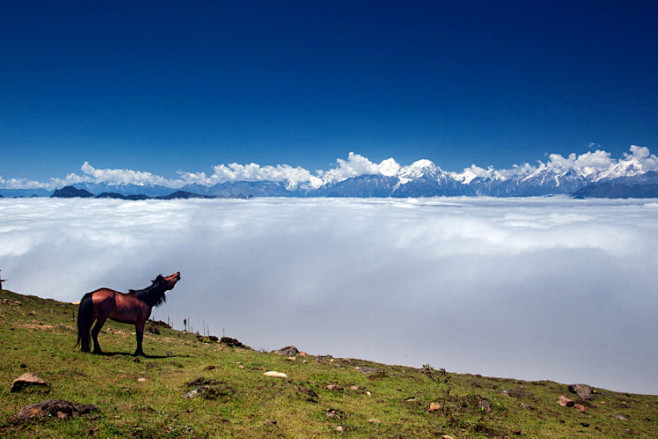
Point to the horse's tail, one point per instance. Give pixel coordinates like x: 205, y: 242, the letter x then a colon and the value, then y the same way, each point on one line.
x: 85, y: 319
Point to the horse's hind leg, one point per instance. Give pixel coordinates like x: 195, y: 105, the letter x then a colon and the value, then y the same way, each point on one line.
x: 139, y: 330
x: 94, y: 334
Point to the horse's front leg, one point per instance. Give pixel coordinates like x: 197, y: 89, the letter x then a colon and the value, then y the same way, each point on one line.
x: 139, y: 330
x: 94, y: 334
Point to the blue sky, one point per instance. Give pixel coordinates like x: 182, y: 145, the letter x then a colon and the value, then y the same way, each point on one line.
x: 167, y: 86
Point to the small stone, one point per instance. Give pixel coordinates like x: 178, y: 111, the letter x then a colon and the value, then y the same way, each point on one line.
x: 292, y: 358
x: 335, y: 413
x: 333, y: 387
x: 141, y: 380
x: 565, y: 402
x: 26, y: 380
x: 374, y: 421
x: 193, y: 393
x: 525, y: 406
x: 411, y: 399
x: 210, y: 367
x: 445, y: 436
x: 620, y: 417
x: 275, y: 374
x: 303, y: 354
x: 434, y: 406
x: 368, y: 393
x: 580, y: 407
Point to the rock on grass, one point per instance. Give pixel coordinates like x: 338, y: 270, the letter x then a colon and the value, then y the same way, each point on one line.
x: 288, y: 351
x: 28, y: 380
x: 584, y: 391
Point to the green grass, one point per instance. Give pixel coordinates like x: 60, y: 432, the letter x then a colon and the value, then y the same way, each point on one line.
x: 39, y: 335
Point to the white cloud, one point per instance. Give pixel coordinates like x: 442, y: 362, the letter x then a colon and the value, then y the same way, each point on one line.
x: 122, y: 177
x: 22, y: 183
x: 389, y: 167
x: 503, y: 287
x: 355, y: 166
x: 254, y: 172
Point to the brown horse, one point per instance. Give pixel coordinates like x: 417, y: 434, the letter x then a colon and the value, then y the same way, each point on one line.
x: 133, y: 307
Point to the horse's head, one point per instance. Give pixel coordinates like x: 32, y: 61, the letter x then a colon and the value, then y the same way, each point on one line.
x: 170, y: 281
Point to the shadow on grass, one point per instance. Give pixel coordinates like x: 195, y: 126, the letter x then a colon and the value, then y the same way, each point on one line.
x: 127, y: 354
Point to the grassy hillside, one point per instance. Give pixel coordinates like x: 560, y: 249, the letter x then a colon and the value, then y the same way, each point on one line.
x: 321, y: 397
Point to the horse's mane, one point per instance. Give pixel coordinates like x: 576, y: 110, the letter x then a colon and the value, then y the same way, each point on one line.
x: 153, y: 295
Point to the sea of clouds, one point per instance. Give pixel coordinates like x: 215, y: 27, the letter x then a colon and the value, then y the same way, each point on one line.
x: 537, y: 288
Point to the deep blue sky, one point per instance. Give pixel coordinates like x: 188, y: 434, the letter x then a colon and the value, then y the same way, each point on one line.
x: 186, y: 85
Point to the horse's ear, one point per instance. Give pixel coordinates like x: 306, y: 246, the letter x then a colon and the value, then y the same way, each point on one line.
x: 158, y: 279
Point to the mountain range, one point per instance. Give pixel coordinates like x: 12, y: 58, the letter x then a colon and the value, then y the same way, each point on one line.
x: 430, y: 181
x: 588, y: 175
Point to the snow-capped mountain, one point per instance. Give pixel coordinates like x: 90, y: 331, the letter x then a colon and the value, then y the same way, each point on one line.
x: 425, y: 179
x: 636, y: 186
x: 357, y: 176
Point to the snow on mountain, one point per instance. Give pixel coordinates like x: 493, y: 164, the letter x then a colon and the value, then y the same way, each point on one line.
x: 357, y: 176
x: 635, y: 186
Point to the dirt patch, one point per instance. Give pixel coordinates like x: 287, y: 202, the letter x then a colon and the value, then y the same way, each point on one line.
x: 40, y: 326
x: 52, y: 408
x: 378, y: 376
